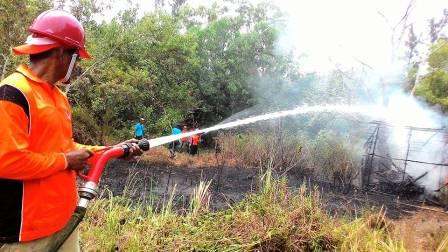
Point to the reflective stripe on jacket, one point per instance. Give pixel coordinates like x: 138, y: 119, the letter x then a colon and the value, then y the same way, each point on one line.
x: 37, y: 193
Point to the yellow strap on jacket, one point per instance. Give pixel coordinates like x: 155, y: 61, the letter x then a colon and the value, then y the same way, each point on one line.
x: 37, y: 193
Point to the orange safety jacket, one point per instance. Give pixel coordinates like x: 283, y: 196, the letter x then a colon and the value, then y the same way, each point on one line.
x: 195, y: 139
x: 37, y: 192
x: 184, y: 139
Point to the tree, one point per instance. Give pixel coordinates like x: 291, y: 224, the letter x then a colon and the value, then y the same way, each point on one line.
x: 176, y: 5
x: 193, y: 64
x: 435, y: 33
x: 434, y: 86
x: 436, y: 27
x: 412, y: 58
x: 142, y: 68
x: 235, y: 54
x: 15, y: 18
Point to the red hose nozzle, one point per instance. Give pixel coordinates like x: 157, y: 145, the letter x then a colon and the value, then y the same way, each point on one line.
x: 96, y: 171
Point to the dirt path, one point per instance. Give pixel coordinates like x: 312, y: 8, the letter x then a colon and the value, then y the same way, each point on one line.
x: 422, y: 231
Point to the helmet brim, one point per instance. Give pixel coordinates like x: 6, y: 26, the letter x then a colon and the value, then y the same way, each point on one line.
x: 35, y: 49
x: 84, y: 54
x: 32, y: 49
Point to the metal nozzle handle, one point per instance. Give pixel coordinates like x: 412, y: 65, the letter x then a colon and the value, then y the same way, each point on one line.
x: 143, y: 144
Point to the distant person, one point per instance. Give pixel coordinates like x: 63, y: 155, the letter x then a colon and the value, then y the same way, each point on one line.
x: 194, y: 146
x: 173, y: 145
x: 139, y: 129
x: 184, y: 140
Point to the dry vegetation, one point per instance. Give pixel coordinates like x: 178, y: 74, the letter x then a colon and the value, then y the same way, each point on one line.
x: 423, y: 231
x: 275, y: 218
x: 326, y: 157
x: 159, y: 156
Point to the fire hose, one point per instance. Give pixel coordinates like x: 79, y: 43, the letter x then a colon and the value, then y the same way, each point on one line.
x: 89, y: 190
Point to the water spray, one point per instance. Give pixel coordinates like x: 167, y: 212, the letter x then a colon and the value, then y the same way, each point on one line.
x: 297, y: 111
x: 393, y: 115
x: 89, y: 190
x: 387, y: 114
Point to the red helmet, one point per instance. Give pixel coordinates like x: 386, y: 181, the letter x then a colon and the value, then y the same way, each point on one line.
x: 62, y: 27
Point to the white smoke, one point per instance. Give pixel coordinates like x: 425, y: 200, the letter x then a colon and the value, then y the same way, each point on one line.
x: 351, y: 33
x: 369, y: 37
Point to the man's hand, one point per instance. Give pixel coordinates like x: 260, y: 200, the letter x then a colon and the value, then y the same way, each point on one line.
x: 77, y: 159
x: 134, y: 150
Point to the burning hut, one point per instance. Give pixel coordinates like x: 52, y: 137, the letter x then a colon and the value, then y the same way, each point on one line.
x: 405, y: 161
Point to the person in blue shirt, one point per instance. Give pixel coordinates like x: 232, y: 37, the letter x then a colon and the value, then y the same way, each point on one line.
x: 173, y: 145
x: 139, y: 129
x: 176, y: 130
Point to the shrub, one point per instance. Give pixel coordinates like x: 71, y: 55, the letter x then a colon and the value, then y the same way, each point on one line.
x: 326, y: 157
x: 85, y: 130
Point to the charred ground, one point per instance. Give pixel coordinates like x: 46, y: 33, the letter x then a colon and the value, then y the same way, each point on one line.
x: 145, y: 182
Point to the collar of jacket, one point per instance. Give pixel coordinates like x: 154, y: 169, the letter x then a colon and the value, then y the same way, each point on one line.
x: 28, y: 73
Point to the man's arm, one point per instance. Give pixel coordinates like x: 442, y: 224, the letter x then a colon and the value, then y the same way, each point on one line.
x: 16, y: 160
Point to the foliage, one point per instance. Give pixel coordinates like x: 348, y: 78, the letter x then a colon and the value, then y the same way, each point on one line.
x: 334, y: 158
x: 169, y: 69
x: 326, y: 157
x: 192, y: 65
x: 277, y: 150
x: 86, y: 131
x: 15, y: 18
x: 434, y: 86
x: 438, y: 59
x: 143, y: 72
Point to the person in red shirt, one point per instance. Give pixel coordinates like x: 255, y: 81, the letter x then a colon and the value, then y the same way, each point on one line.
x: 194, y: 146
x: 38, y: 156
x: 184, y: 140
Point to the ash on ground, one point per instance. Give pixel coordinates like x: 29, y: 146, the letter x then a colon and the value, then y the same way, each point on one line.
x: 149, y: 184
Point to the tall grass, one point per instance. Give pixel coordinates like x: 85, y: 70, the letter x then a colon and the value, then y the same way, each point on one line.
x: 200, y: 198
x: 443, y: 246
x: 325, y: 157
x: 274, y: 219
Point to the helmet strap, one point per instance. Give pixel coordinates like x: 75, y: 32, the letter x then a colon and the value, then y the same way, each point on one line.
x: 66, y: 79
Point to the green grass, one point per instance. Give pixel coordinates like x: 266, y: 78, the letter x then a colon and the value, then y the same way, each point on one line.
x: 274, y: 219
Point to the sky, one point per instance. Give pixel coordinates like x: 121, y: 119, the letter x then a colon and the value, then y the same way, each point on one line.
x: 346, y: 32
x: 342, y: 33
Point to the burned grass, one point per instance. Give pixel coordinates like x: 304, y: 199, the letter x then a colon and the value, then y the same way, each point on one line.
x: 209, y: 203
x: 273, y: 219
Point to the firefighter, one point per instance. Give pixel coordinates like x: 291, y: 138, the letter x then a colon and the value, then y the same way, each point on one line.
x: 173, y: 145
x: 194, y: 146
x: 38, y: 157
x: 184, y: 140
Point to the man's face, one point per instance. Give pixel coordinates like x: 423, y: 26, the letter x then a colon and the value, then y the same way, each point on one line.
x: 66, y: 57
